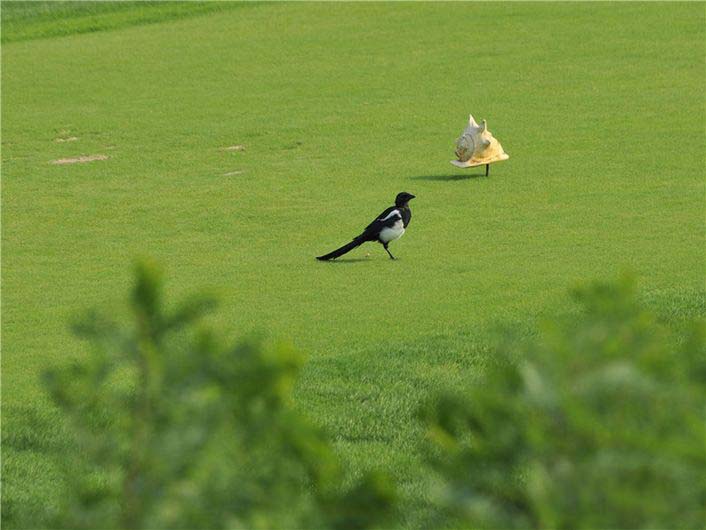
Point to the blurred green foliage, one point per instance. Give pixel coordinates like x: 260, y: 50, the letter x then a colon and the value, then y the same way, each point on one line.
x: 597, y: 423
x: 172, y: 428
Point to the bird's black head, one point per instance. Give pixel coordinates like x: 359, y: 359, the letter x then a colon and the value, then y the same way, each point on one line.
x: 403, y: 198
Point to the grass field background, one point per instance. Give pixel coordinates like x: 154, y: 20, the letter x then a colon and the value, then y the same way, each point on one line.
x: 339, y: 107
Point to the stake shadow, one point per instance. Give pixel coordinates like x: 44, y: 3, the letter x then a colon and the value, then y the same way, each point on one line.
x: 447, y: 178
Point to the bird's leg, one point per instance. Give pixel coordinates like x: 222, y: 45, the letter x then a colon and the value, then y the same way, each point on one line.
x: 388, y: 251
x: 487, y: 169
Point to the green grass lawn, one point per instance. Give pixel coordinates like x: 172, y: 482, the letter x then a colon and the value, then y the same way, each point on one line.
x: 339, y: 107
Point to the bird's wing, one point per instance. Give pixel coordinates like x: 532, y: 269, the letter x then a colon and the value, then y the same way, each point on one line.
x: 386, y: 219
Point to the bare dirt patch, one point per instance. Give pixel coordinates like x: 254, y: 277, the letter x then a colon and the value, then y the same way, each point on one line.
x: 80, y: 159
x: 232, y: 173
x: 233, y: 148
x: 67, y: 139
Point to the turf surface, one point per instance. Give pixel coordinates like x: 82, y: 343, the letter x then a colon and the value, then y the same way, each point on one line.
x: 338, y: 108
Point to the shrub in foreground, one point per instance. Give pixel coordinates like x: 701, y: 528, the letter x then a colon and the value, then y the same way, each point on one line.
x: 599, y: 423
x: 172, y: 428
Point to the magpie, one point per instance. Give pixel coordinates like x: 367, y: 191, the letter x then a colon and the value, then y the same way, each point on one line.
x: 388, y: 226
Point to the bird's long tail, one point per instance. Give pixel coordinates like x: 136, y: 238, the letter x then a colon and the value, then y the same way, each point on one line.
x: 343, y: 250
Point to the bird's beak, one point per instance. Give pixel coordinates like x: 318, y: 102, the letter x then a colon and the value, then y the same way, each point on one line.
x: 412, y: 196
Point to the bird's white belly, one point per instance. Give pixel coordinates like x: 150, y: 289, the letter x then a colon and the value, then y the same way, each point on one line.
x: 388, y: 234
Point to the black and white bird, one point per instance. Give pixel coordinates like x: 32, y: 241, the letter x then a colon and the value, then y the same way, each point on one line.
x: 389, y: 225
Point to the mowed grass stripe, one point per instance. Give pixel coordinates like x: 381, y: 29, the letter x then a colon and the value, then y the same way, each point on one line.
x: 26, y: 20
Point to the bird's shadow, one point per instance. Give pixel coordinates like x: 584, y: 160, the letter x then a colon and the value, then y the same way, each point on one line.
x: 349, y: 260
x: 446, y: 178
